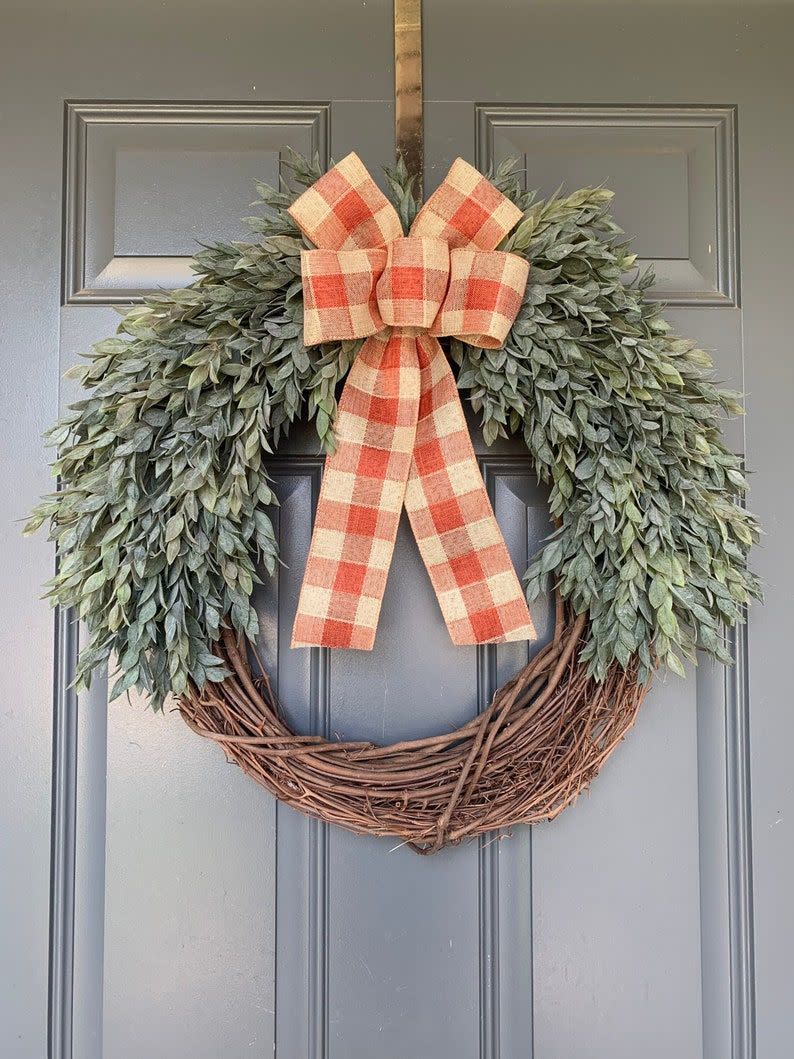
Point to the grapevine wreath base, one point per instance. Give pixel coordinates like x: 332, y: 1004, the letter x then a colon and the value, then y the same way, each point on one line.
x: 543, y: 738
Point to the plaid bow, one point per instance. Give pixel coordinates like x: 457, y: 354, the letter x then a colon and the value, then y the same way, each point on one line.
x: 401, y: 435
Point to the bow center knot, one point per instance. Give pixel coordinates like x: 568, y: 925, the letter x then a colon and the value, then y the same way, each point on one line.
x: 414, y: 282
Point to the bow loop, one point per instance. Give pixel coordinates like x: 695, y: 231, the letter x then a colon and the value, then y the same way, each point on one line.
x: 483, y: 297
x: 467, y: 210
x: 339, y: 294
x: 346, y: 210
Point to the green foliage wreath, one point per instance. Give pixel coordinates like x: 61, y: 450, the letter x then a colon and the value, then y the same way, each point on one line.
x: 161, y: 519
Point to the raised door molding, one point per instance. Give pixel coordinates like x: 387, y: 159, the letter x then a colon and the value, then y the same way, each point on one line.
x: 673, y: 169
x: 127, y: 229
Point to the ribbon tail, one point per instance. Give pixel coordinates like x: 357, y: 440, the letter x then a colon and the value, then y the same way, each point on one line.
x: 361, y: 498
x: 459, y: 539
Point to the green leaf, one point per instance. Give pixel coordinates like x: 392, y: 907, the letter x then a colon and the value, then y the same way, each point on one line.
x: 174, y: 527
x: 94, y: 582
x: 659, y: 594
x: 672, y: 661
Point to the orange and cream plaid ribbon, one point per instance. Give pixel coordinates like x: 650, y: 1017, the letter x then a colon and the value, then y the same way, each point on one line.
x: 401, y: 435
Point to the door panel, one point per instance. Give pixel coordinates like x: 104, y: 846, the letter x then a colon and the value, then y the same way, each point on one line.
x: 672, y: 169
x: 145, y: 182
x: 189, y: 913
x: 617, y: 882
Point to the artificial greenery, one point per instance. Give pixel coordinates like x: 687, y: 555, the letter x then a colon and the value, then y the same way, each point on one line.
x: 161, y: 518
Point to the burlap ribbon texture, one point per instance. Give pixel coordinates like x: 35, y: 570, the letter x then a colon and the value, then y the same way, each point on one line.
x: 401, y: 434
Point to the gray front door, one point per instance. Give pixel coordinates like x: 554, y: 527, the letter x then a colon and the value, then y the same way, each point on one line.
x: 165, y: 905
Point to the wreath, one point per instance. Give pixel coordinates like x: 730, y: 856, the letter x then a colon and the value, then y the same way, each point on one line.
x: 161, y: 517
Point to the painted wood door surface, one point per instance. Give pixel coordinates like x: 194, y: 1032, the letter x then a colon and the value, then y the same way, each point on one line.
x: 153, y: 901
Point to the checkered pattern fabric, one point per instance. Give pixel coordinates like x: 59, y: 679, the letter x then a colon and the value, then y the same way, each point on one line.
x: 401, y: 434
x: 361, y: 497
x: 339, y: 294
x: 452, y: 518
x: 346, y: 210
x: 483, y: 298
x: 467, y: 210
x: 413, y: 285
